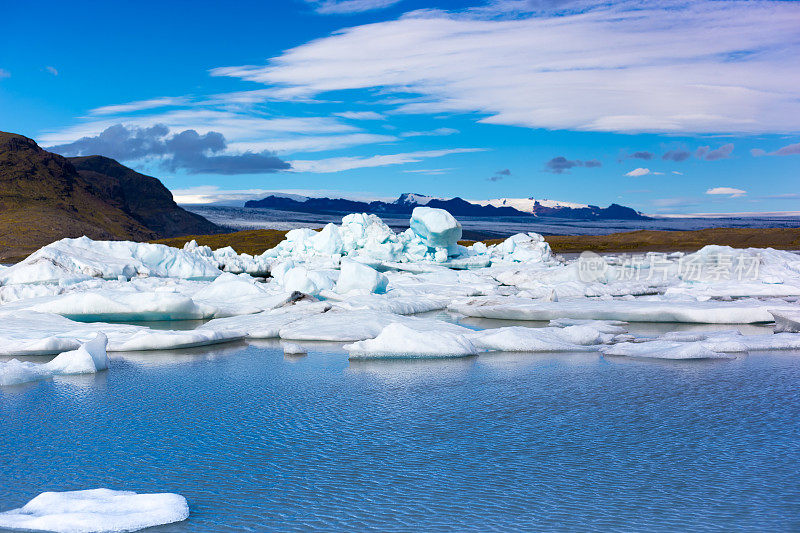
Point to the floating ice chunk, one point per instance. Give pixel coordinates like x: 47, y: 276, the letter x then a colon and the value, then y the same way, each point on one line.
x: 111, y: 305
x: 268, y: 324
x: 615, y: 327
x: 291, y: 348
x: 33, y: 333
x: 665, y: 350
x: 308, y: 281
x: 154, y: 339
x: 344, y: 326
x: 788, y: 321
x: 89, y: 358
x: 82, y: 258
x: 523, y: 248
x: 96, y: 511
x: 389, y: 303
x: 437, y: 227
x: 398, y: 340
x: 523, y: 339
x: 359, y: 277
x: 710, y: 312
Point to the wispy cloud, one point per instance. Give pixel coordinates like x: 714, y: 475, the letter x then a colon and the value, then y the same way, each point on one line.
x: 637, y: 172
x: 347, y: 7
x: 677, y: 66
x: 153, y: 103
x: 726, y: 191
x: 312, y: 143
x: 339, y: 164
x: 429, y: 171
x: 51, y: 70
x: 438, y: 132
x: 361, y: 115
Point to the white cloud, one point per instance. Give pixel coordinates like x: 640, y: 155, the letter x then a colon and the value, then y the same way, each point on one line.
x: 670, y: 66
x: 234, y: 126
x: 728, y: 191
x: 343, y: 7
x: 51, y: 70
x: 306, y: 143
x: 206, y: 194
x: 361, y: 115
x: 430, y: 171
x: 154, y: 103
x: 635, y: 173
x: 438, y: 132
x: 338, y: 164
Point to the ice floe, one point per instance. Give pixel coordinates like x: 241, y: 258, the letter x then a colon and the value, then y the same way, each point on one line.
x: 359, y: 282
x: 96, y: 511
x: 34, y: 333
x: 639, y: 310
x: 89, y: 358
x: 398, y: 340
x: 786, y: 320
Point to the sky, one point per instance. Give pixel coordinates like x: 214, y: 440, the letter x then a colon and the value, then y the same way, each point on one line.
x: 664, y: 106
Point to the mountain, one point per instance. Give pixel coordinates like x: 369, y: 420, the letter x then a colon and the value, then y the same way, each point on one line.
x: 44, y: 197
x: 402, y: 206
x: 504, y: 207
x: 559, y: 209
x: 143, y: 197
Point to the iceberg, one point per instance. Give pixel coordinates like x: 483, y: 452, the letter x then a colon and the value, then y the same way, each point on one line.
x: 665, y: 350
x: 787, y: 321
x: 348, y: 326
x: 401, y: 341
x: 355, y: 276
x: 34, y: 333
x: 640, y: 310
x: 82, y: 258
x: 436, y: 227
x: 524, y: 339
x: 96, y: 511
x: 119, y: 306
x: 89, y: 358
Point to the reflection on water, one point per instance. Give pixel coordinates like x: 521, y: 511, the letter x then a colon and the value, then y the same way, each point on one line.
x: 534, y: 442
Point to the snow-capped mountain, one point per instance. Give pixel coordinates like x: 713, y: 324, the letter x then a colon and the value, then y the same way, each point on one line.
x: 501, y: 207
x: 528, y: 205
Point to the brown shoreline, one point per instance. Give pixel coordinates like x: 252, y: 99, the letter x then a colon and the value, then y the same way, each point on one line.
x: 255, y: 242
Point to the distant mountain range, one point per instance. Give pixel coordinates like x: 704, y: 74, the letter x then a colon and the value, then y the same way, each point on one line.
x: 503, y: 207
x: 45, y: 197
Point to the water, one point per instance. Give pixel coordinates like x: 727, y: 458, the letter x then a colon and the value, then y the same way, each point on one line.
x: 260, y: 442
x: 482, y: 228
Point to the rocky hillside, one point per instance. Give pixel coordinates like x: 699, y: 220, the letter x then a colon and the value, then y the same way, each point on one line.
x: 143, y: 197
x: 44, y: 197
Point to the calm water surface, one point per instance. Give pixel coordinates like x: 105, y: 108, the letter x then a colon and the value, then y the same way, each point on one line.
x: 260, y: 442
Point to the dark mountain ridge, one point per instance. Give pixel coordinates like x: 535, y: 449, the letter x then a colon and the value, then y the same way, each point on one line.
x: 406, y: 203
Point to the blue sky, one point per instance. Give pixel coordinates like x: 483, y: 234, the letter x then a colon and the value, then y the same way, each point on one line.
x: 668, y: 107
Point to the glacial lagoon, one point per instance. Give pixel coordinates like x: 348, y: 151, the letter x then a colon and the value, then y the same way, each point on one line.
x: 259, y: 441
